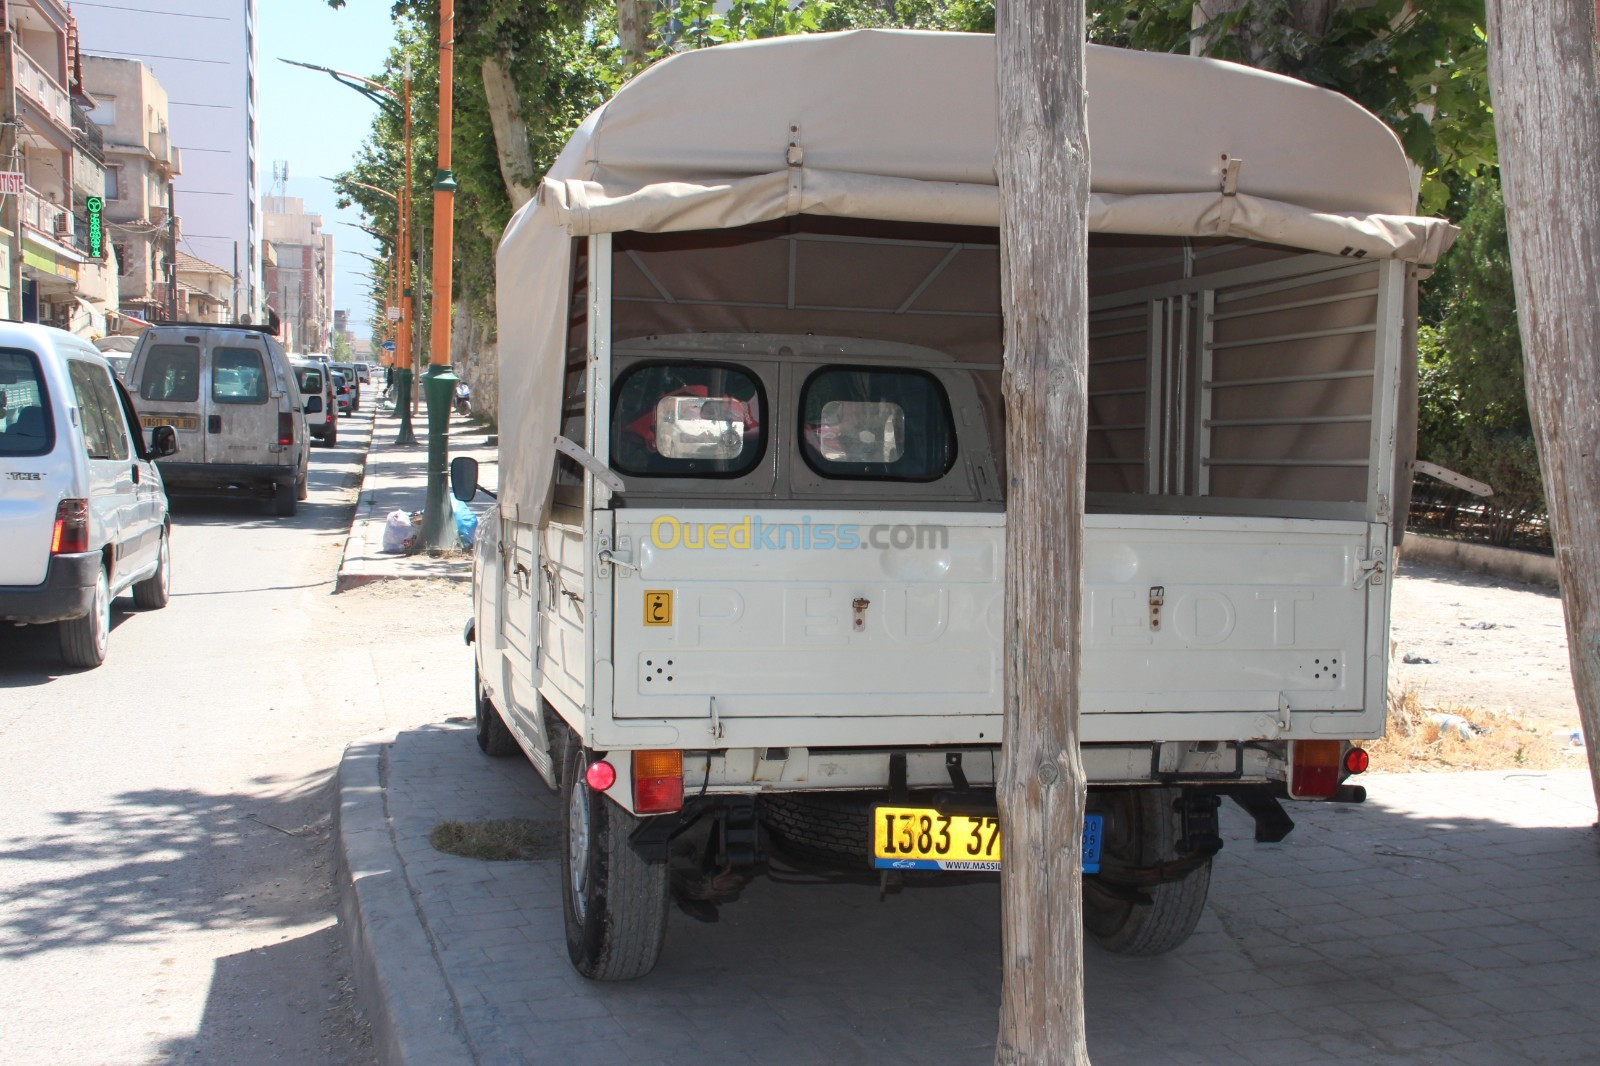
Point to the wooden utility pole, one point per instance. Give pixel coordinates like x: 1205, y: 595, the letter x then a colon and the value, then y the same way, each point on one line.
x: 1043, y: 166
x: 1542, y: 77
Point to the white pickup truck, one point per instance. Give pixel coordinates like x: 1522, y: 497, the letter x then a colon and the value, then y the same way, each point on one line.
x: 744, y: 587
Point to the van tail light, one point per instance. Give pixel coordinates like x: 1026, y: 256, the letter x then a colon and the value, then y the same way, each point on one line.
x: 1314, y: 768
x: 71, y: 534
x: 657, y: 781
x: 285, y: 428
x: 1356, y: 761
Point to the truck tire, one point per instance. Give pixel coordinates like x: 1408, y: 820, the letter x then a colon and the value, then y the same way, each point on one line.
x: 615, y: 902
x: 494, y: 737
x: 151, y: 593
x: 822, y: 826
x: 1144, y: 830
x: 84, y: 640
x: 302, y: 488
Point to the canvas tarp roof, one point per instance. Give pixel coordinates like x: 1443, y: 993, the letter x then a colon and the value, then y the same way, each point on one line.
x: 900, y: 125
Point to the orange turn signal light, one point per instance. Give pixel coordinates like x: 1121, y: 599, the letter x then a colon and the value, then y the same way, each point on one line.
x: 657, y: 781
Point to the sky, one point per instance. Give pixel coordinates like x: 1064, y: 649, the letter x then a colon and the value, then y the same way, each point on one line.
x: 316, y: 125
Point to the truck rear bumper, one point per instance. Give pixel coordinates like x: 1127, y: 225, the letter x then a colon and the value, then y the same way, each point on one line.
x: 66, y: 592
x: 225, y: 477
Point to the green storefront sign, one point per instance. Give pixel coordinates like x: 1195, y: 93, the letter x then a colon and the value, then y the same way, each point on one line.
x: 95, y: 205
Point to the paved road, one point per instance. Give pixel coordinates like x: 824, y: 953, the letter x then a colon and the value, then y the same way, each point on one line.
x: 164, y: 871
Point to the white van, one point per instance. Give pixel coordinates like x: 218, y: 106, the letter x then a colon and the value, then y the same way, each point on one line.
x: 83, y: 513
x: 746, y: 583
x: 317, y: 400
x: 232, y: 396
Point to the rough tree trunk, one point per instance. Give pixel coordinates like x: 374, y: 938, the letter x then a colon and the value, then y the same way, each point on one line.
x: 1043, y: 166
x: 634, y: 32
x: 1542, y: 76
x: 510, y: 132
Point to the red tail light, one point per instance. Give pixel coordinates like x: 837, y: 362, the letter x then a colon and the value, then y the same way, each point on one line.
x: 657, y: 781
x: 285, y: 428
x: 1314, y: 768
x: 71, y: 534
x: 1356, y: 761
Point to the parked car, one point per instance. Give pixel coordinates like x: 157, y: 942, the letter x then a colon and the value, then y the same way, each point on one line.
x: 231, y: 394
x: 363, y: 373
x: 354, y: 379
x: 83, y: 512
x: 343, y: 391
x: 318, y: 401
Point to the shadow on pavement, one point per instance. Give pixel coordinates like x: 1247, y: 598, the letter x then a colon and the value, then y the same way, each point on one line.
x: 1450, y: 919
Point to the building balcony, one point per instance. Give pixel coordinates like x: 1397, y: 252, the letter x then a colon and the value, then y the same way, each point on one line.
x: 42, y: 90
x: 90, y: 139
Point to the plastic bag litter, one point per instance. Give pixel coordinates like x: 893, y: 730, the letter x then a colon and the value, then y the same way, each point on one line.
x: 402, y: 531
x: 1456, y: 724
x: 466, y: 522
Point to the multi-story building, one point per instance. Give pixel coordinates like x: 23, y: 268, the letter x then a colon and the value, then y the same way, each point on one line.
x: 142, y: 164
x: 204, y: 52
x: 46, y: 270
x: 205, y: 290
x: 300, y: 283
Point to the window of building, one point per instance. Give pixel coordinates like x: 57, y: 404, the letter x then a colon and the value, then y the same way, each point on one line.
x: 113, y: 183
x: 106, y: 113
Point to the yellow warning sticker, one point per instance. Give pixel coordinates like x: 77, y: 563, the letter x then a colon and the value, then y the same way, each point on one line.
x: 658, y: 608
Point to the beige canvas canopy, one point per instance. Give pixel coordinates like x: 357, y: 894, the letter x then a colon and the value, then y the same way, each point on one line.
x: 900, y: 126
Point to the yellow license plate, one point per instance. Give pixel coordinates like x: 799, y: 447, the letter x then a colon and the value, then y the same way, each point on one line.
x: 921, y: 838
x: 175, y: 421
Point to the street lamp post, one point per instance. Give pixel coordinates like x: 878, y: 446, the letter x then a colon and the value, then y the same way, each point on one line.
x: 386, y: 97
x: 438, y: 523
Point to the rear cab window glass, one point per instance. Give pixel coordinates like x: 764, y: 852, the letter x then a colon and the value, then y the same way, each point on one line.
x: 310, y: 380
x: 876, y: 423
x: 171, y: 374
x: 238, y: 375
x: 26, y: 427
x: 687, y: 420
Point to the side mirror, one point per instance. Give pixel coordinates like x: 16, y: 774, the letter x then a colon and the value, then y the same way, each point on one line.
x: 464, y: 478
x: 163, y: 442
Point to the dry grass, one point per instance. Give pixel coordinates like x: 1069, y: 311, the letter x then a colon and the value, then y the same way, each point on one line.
x: 1415, y: 743
x: 500, y: 840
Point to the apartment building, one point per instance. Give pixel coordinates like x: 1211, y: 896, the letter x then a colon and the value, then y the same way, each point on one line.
x: 141, y: 166
x: 53, y: 264
x: 299, y: 285
x: 204, y: 53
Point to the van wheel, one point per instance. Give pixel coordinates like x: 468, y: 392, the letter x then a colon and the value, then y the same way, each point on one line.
x: 151, y: 593
x: 302, y: 488
x: 494, y: 737
x: 829, y: 827
x: 283, y: 500
x: 1142, y: 829
x: 615, y: 902
x: 332, y: 438
x: 84, y: 640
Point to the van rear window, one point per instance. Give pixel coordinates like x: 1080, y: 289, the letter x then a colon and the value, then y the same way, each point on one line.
x: 877, y: 423
x: 171, y: 374
x: 310, y: 381
x: 238, y: 376
x: 26, y: 427
x: 687, y: 420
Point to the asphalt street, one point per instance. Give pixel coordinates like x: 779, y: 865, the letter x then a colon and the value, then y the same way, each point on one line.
x: 165, y: 868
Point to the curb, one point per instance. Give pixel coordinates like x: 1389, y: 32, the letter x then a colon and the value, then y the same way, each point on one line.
x: 1506, y: 563
x: 400, y: 982
x: 355, y: 545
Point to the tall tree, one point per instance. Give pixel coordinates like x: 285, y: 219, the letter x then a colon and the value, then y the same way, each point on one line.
x: 1543, y: 74
x: 1043, y: 167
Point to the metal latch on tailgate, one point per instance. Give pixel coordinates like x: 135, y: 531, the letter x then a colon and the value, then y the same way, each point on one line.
x: 1370, y: 571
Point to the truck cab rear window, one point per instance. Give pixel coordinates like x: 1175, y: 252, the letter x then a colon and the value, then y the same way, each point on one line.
x: 877, y: 423
x: 238, y: 376
x: 687, y: 420
x: 171, y: 374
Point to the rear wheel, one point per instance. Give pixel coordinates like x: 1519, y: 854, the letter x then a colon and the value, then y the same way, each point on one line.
x: 615, y: 902
x: 151, y: 593
x: 84, y: 640
x: 332, y: 439
x: 494, y: 737
x: 284, y: 499
x: 302, y: 488
x: 1143, y: 829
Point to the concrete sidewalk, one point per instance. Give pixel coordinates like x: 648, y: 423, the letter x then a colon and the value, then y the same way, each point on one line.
x: 396, y: 479
x: 1448, y: 920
